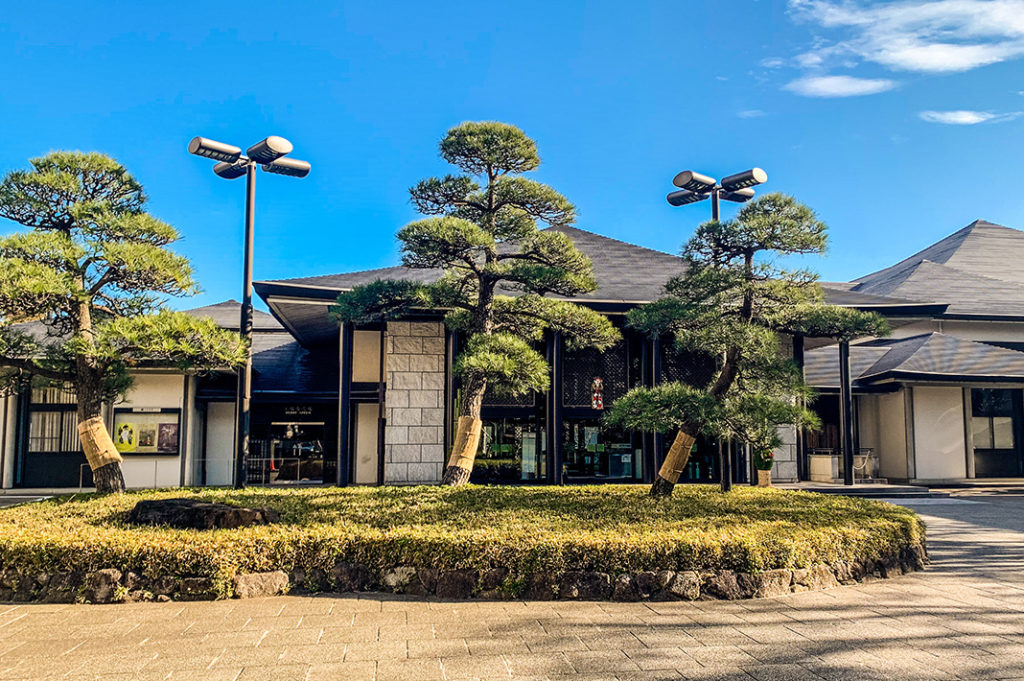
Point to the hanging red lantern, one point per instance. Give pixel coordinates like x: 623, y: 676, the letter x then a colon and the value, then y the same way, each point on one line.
x: 597, y: 400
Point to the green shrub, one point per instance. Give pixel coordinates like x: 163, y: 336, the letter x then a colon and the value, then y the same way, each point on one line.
x: 611, y: 528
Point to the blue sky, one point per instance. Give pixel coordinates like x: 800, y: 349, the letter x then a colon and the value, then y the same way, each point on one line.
x: 898, y: 122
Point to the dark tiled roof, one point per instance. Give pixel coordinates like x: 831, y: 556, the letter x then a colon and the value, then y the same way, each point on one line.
x: 976, y: 270
x: 227, y: 315
x: 624, y: 272
x: 930, y: 356
x: 281, y: 364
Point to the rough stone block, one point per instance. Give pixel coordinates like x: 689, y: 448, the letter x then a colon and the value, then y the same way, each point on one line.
x: 406, y: 380
x: 426, y: 329
x: 196, y: 589
x: 396, y: 398
x: 456, y: 584
x: 432, y: 346
x: 197, y: 514
x: 433, y: 381
x: 396, y: 473
x: 585, y: 585
x: 626, y: 589
x: 430, y: 399
x: 396, y: 328
x: 100, y: 586
x: 722, y: 585
x: 393, y: 362
x: 398, y: 579
x: 820, y: 577
x: 432, y: 417
x: 404, y: 453
x: 407, y: 345
x: 541, y: 586
x: 685, y: 585
x: 405, y: 417
x: 766, y: 584
x: 423, y: 472
x: 396, y: 435
x: 351, y: 577
x: 258, y: 584
x: 429, y: 435
x: 425, y: 362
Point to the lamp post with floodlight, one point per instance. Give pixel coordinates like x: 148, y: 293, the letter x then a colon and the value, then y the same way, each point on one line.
x: 693, y: 188
x: 232, y: 164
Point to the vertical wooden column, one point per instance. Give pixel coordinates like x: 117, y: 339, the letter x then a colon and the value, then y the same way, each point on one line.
x: 800, y: 445
x: 846, y: 412
x: 555, y: 409
x: 346, y: 338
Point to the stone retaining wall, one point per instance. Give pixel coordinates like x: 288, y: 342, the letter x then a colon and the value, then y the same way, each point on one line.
x: 104, y: 586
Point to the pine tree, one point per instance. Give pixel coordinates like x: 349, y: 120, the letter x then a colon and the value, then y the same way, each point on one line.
x: 497, y: 268
x: 730, y: 306
x: 95, y: 269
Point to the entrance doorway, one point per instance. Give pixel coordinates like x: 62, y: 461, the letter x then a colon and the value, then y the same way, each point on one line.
x: 291, y: 444
x: 996, y: 431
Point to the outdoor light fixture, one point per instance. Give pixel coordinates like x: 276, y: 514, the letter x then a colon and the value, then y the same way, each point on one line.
x: 695, y: 187
x: 748, y: 178
x: 695, y: 182
x: 200, y: 146
x: 269, y: 150
x: 685, y: 196
x: 287, y: 166
x: 270, y: 155
x: 230, y: 171
x: 738, y: 196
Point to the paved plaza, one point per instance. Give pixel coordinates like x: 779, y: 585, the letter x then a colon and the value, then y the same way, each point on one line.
x: 962, y: 618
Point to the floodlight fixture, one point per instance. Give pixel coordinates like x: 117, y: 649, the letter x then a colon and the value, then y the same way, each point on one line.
x: 269, y: 150
x: 695, y: 182
x: 288, y: 166
x: 230, y: 171
x: 268, y: 153
x: 685, y: 196
x: 218, y: 151
x: 748, y: 178
x: 738, y: 196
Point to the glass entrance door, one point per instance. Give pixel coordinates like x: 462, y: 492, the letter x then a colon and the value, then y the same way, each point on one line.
x: 996, y: 431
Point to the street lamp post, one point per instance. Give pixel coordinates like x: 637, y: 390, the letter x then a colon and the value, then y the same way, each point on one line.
x: 232, y: 164
x: 693, y: 188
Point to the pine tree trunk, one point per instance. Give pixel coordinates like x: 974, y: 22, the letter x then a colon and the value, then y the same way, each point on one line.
x: 103, y: 457
x: 675, y: 463
x: 467, y: 437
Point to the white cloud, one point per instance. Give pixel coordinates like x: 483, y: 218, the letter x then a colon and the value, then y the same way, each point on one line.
x: 838, y: 86
x: 750, y: 113
x: 924, y: 36
x: 964, y: 117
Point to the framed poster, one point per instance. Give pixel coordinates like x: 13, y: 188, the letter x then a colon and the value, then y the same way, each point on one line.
x: 147, y: 431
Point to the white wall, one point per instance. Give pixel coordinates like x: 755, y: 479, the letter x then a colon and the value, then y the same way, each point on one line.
x: 165, y: 391
x: 892, y: 436
x: 939, y: 442
x: 220, y: 443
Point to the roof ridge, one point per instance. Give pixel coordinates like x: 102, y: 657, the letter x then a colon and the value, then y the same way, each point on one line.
x: 611, y: 238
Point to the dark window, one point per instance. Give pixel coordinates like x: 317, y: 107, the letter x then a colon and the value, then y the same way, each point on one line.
x: 511, y: 450
x: 593, y: 450
x: 995, y: 422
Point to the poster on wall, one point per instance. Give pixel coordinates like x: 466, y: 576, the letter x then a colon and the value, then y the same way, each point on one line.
x: 146, y: 432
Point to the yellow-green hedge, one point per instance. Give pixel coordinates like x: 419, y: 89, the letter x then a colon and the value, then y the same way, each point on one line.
x: 607, y: 528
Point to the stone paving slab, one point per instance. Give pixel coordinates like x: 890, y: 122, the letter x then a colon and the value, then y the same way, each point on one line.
x: 963, y: 618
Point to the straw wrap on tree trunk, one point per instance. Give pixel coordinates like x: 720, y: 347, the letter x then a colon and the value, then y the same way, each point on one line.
x: 674, y: 465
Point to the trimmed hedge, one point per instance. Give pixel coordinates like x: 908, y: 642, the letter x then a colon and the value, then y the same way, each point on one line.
x: 608, y: 528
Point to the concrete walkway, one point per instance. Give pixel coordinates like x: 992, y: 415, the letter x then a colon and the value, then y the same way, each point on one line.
x: 963, y: 618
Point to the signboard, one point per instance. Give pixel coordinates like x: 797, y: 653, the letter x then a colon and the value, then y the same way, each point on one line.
x: 147, y: 431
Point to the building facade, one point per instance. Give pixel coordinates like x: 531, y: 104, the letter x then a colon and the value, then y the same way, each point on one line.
x: 940, y: 400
